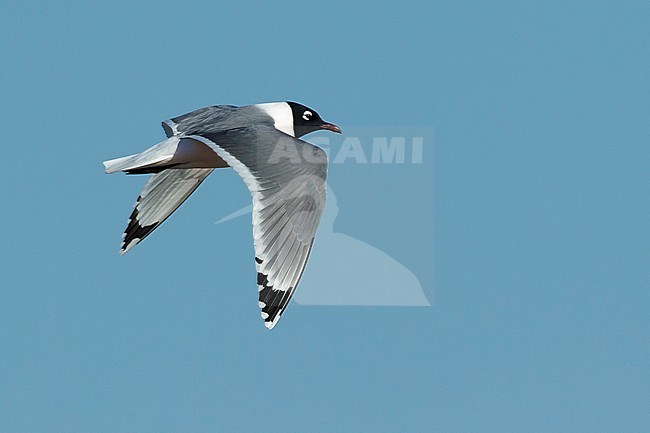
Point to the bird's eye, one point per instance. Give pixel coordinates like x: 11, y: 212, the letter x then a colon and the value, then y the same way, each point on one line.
x: 307, y: 115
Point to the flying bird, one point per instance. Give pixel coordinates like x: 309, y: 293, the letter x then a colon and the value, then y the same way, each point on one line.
x: 285, y: 176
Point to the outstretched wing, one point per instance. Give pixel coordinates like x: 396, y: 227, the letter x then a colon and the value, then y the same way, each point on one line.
x: 163, y: 193
x: 286, y: 177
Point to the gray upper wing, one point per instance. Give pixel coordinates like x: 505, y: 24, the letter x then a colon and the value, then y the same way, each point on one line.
x: 286, y: 177
x: 217, y: 118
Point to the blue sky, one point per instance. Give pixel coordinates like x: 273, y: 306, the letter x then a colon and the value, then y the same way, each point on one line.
x: 525, y: 224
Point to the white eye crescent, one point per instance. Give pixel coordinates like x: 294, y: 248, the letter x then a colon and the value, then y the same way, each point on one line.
x: 307, y: 115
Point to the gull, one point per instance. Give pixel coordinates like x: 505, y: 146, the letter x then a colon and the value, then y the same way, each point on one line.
x: 286, y: 177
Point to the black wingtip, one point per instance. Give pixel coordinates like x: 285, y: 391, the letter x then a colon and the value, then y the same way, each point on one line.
x: 272, y: 302
x: 135, y: 232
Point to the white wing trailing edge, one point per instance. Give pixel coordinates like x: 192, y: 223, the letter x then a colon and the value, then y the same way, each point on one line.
x: 286, y: 178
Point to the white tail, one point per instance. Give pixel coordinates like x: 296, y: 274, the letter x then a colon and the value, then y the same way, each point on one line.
x: 159, y: 154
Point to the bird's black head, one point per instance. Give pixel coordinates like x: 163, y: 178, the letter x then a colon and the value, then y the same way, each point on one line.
x: 306, y: 120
